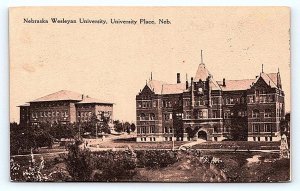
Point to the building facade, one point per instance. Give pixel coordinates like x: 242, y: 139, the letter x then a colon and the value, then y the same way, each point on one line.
x: 203, y: 108
x: 64, y: 107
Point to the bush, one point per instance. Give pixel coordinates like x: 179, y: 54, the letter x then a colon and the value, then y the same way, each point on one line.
x: 102, y: 166
x: 156, y: 158
x: 80, y: 163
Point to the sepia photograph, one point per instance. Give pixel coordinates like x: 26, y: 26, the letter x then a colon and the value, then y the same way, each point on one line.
x: 150, y: 94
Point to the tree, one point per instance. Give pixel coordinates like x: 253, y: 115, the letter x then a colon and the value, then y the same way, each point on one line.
x: 127, y: 127
x: 118, y: 126
x: 132, y: 127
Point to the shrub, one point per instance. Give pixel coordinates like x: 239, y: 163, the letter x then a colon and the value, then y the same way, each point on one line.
x: 156, y: 158
x: 103, y: 166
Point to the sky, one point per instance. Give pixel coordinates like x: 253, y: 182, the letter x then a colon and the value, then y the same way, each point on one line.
x: 113, y: 62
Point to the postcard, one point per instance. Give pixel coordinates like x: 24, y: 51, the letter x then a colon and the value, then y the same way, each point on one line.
x: 150, y: 94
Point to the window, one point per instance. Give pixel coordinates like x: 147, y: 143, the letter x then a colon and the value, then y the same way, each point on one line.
x: 188, y: 115
x: 268, y: 127
x: 242, y: 100
x: 139, y: 104
x: 49, y: 114
x: 167, y: 116
x: 226, y: 114
x: 154, y: 103
x: 66, y: 114
x: 152, y: 129
x: 271, y: 98
x: 143, y: 129
x: 255, y: 128
x: 205, y: 114
x: 241, y: 113
x: 142, y: 116
x: 171, y: 129
x: 186, y: 102
x: 215, y: 114
x: 57, y: 113
x: 166, y: 130
x: 53, y: 114
x: 144, y: 104
x: 255, y: 113
x: 268, y: 113
x: 41, y: 114
x: 251, y: 99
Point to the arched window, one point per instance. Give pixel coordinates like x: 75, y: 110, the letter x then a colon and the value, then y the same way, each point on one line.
x: 142, y: 116
x: 255, y: 113
x: 268, y: 113
x: 152, y: 116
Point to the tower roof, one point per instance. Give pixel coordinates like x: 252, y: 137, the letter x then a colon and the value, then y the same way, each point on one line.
x: 202, y: 73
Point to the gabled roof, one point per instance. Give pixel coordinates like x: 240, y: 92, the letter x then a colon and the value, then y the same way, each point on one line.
x: 235, y: 85
x: 87, y: 100
x: 173, y: 88
x: 268, y: 78
x: 160, y: 87
x: 155, y: 86
x: 59, y: 96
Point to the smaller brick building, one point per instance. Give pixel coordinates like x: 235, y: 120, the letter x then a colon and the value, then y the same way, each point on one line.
x: 64, y: 107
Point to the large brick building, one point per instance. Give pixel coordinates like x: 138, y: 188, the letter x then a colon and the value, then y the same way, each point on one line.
x: 213, y: 110
x: 64, y: 107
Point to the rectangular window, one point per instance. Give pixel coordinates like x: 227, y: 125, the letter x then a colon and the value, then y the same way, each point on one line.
x: 139, y: 104
x: 154, y: 103
x: 188, y: 115
x: 226, y: 114
x: 215, y: 114
x: 268, y: 127
x: 204, y: 114
x: 152, y: 129
x: 255, y: 128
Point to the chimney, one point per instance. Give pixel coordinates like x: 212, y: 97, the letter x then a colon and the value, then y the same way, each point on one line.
x: 224, y: 82
x: 186, y: 82
x: 178, y: 78
x: 82, y: 96
x: 192, y: 92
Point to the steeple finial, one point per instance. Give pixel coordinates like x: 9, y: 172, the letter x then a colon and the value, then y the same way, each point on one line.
x: 278, y: 70
x: 186, y: 77
x: 202, y: 57
x: 151, y: 76
x: 262, y: 68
